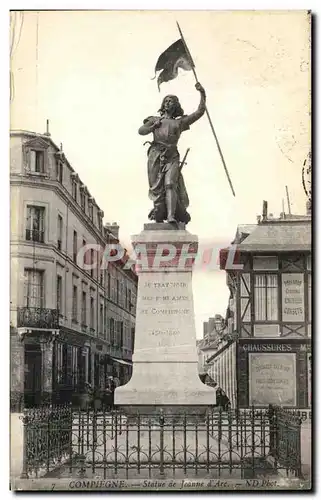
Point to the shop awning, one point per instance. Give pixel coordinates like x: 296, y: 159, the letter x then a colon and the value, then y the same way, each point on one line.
x: 122, y: 362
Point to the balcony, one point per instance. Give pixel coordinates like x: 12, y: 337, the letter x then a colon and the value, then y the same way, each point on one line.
x: 35, y: 235
x: 38, y: 317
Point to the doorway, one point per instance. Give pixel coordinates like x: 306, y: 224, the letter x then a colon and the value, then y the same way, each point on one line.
x: 33, y: 382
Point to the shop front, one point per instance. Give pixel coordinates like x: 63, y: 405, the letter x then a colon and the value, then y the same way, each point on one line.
x: 274, y: 372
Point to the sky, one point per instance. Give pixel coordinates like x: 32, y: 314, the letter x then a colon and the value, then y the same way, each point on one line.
x: 90, y: 73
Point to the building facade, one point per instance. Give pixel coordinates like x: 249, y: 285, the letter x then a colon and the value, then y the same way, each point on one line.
x: 264, y: 354
x: 272, y: 317
x: 72, y: 312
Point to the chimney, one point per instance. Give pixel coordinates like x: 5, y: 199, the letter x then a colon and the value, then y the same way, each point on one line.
x: 47, y: 129
x: 211, y: 325
x: 205, y: 329
x: 113, y: 229
x: 264, y: 210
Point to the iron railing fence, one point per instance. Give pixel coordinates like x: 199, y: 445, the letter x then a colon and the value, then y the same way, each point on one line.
x: 107, y: 444
x: 47, y: 438
x: 285, y: 438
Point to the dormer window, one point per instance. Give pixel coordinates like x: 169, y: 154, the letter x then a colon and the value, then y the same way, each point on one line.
x: 74, y: 185
x: 74, y: 189
x: 82, y: 198
x: 37, y: 161
x: 100, y: 215
x: 91, y: 211
x: 35, y: 156
x: 60, y: 159
x: 59, y: 171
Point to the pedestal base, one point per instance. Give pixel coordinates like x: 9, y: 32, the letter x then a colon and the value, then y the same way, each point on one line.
x: 177, y: 413
x: 165, y: 359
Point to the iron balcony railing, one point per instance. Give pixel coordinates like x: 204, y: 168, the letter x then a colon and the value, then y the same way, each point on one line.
x: 35, y: 235
x: 38, y: 317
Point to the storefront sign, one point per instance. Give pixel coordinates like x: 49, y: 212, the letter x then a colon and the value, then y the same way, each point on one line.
x: 304, y: 414
x: 272, y: 379
x: 292, y: 297
x: 267, y: 347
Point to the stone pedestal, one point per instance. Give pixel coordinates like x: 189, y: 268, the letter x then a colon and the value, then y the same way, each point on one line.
x: 165, y: 362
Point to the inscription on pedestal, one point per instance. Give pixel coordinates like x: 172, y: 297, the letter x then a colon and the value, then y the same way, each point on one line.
x: 163, y: 303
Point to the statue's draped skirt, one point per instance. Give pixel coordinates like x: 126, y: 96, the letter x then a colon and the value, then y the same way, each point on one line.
x: 163, y: 172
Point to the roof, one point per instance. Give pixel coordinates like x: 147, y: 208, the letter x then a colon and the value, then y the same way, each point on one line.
x: 243, y: 230
x: 47, y: 138
x: 205, y: 344
x: 279, y: 236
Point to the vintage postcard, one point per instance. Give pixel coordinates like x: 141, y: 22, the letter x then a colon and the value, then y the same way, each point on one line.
x: 160, y: 308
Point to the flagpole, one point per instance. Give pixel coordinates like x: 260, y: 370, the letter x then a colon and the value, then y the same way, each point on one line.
x: 207, y: 113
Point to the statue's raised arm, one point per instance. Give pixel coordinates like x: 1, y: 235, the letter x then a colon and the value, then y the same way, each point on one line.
x: 193, y: 117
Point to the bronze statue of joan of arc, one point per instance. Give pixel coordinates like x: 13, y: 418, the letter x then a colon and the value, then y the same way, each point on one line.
x: 166, y: 184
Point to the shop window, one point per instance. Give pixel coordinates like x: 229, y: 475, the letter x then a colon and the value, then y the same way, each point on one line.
x: 266, y: 297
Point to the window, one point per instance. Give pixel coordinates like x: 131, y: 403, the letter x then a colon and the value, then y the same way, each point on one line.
x: 74, y: 364
x: 266, y: 297
x: 59, y: 232
x: 101, y: 278
x: 100, y: 222
x: 101, y: 318
x: 74, y: 303
x: 121, y: 334
x: 82, y: 200
x: 35, y: 223
x: 92, y: 263
x: 59, y: 362
x: 59, y: 171
x: 84, y: 309
x: 92, y: 313
x: 108, y: 284
x: 34, y: 288
x: 121, y: 292
x: 84, y: 243
x: 59, y: 294
x: 37, y: 161
x: 112, y: 331
x: 91, y: 211
x: 130, y: 304
x: 74, y: 189
x: 117, y: 290
x: 75, y: 247
x: 105, y: 322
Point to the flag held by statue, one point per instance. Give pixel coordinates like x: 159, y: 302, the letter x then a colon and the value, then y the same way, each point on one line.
x: 176, y: 56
